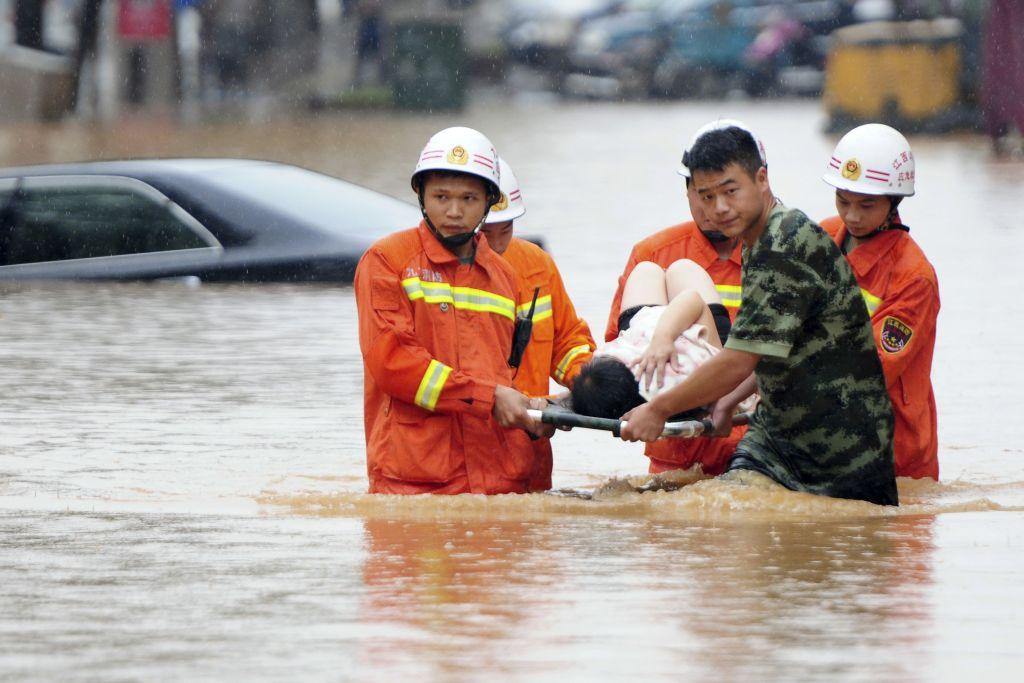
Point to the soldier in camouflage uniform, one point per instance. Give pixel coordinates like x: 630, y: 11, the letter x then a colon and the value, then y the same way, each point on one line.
x: 824, y: 424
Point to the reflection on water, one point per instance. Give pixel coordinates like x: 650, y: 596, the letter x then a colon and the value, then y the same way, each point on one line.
x: 182, y: 468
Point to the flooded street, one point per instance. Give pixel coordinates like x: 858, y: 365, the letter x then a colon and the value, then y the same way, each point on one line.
x: 182, y: 467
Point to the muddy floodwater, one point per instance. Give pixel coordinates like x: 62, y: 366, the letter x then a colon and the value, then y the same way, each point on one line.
x: 182, y: 468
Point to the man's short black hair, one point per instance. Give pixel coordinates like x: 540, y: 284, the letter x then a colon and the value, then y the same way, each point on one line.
x: 605, y: 387
x: 716, y: 149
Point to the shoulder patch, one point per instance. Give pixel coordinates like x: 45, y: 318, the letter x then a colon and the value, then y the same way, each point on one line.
x: 896, y: 334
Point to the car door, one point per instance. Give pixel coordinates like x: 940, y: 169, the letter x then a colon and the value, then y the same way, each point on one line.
x: 98, y: 227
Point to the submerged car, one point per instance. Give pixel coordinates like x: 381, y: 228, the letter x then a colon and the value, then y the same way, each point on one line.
x: 214, y: 219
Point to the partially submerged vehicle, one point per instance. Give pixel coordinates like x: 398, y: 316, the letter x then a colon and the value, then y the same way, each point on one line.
x: 213, y: 219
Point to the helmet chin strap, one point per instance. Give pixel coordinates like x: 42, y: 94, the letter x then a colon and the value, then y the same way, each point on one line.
x: 715, y: 236
x: 888, y: 223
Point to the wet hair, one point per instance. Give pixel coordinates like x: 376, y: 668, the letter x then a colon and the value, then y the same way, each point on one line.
x: 605, y: 387
x: 716, y: 149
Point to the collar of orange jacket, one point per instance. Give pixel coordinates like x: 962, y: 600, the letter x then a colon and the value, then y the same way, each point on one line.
x: 868, y: 252
x: 708, y: 253
x: 437, y: 252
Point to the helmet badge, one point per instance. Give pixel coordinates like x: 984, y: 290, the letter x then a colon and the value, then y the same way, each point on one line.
x: 851, y: 169
x: 458, y: 155
x: 502, y: 203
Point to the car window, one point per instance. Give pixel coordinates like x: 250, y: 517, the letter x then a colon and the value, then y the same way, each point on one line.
x: 52, y: 220
x: 315, y: 199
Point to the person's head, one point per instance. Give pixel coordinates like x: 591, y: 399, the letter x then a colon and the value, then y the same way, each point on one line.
x: 456, y: 181
x: 605, y: 387
x: 872, y: 170
x: 453, y: 203
x: 730, y: 180
x: 696, y: 211
x: 498, y: 226
x: 865, y: 214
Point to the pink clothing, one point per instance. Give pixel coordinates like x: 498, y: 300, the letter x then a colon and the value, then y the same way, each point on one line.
x: 692, y: 348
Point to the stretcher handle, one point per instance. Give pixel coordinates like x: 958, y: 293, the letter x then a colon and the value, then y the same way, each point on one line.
x: 685, y: 430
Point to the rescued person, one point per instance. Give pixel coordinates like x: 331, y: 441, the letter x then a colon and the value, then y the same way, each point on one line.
x: 824, y: 422
x: 720, y: 256
x: 436, y: 319
x: 667, y: 329
x: 872, y: 170
x: 560, y: 341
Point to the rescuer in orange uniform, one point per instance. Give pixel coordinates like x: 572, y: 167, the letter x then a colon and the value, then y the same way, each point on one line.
x: 561, y: 342
x: 872, y: 169
x: 720, y: 257
x: 436, y: 322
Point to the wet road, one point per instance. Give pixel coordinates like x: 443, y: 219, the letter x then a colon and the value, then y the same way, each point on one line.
x: 181, y: 468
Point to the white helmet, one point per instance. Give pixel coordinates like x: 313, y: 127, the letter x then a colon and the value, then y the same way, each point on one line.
x: 721, y: 124
x: 872, y: 159
x: 461, y: 150
x: 510, y: 206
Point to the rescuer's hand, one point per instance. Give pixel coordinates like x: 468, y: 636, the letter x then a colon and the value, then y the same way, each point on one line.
x: 540, y: 429
x: 645, y: 423
x: 510, y: 408
x: 721, y: 416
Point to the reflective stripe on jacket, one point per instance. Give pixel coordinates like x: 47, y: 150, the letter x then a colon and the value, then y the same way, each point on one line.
x: 560, y: 344
x: 435, y: 335
x: 685, y: 241
x: 901, y: 292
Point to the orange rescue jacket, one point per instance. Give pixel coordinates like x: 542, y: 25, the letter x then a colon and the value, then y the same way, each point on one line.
x: 902, y: 295
x: 685, y: 241
x: 435, y: 336
x: 560, y: 344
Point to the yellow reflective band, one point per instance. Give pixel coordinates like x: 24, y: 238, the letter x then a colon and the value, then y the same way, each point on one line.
x: 465, y: 298
x: 470, y: 299
x: 563, y: 365
x: 540, y: 312
x: 732, y: 295
x: 432, y: 384
x: 872, y: 301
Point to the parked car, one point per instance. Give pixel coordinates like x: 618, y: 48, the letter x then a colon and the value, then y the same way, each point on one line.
x: 616, y: 54
x: 695, y: 48
x: 760, y: 46
x: 215, y: 219
x: 540, y: 32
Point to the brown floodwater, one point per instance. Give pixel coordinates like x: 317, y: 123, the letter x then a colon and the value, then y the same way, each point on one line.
x: 182, y: 468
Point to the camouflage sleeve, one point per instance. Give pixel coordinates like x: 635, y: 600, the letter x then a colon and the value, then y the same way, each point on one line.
x: 779, y: 292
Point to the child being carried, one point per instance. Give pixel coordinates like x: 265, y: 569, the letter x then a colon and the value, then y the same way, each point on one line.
x: 672, y: 320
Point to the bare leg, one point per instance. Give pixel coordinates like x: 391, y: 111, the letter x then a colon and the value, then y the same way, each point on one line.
x: 645, y: 286
x: 685, y: 274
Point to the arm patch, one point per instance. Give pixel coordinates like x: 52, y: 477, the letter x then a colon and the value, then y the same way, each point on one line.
x: 896, y: 334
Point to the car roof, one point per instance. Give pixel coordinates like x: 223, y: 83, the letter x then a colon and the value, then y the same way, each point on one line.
x: 135, y: 167
x: 201, y: 187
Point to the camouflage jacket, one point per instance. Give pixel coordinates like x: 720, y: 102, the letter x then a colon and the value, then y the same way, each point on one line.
x: 824, y: 424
